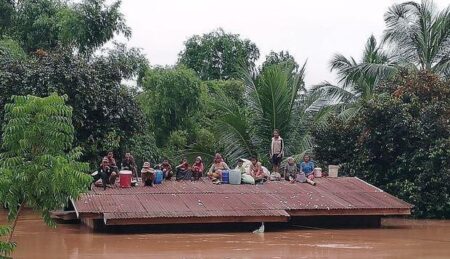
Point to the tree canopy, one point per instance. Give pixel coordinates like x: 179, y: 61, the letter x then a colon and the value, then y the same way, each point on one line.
x: 47, y: 24
x: 282, y: 57
x: 38, y: 167
x: 171, y: 96
x: 218, y: 55
x: 102, y: 105
x: 399, y: 141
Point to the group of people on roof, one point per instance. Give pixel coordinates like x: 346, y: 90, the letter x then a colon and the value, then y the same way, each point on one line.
x: 252, y: 171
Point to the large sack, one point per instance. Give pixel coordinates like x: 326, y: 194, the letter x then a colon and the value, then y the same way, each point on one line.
x: 246, y: 164
x: 266, y: 171
x: 248, y: 179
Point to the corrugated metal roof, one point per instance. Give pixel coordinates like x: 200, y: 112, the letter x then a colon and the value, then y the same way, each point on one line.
x: 203, y: 199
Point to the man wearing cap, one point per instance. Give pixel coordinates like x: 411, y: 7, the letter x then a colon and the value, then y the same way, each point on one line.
x: 147, y: 174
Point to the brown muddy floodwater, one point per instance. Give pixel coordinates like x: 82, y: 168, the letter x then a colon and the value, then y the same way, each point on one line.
x: 398, y: 238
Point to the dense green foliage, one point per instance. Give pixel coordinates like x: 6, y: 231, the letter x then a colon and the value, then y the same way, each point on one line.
x: 273, y: 100
x: 102, y: 106
x: 218, y: 55
x: 171, y: 96
x: 6, y: 247
x: 38, y: 166
x: 47, y: 24
x: 388, y: 128
x: 400, y: 141
x: 282, y: 57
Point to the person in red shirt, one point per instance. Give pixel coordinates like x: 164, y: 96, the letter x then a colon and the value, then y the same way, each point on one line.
x: 197, y: 168
x: 183, y: 170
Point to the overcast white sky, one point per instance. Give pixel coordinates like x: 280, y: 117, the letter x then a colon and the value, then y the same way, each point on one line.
x: 313, y: 30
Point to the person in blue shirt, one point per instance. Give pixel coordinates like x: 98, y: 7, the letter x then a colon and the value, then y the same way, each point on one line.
x: 307, y: 167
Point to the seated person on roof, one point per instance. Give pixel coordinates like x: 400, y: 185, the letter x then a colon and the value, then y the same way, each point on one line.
x: 183, y: 170
x: 215, y: 172
x: 105, y: 173
x: 166, y: 168
x: 128, y: 163
x: 306, y: 168
x: 197, y: 168
x: 147, y: 174
x: 256, y: 171
x: 291, y: 170
x: 112, y: 162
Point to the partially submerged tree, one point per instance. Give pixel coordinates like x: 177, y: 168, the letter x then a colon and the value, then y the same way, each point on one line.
x: 38, y: 167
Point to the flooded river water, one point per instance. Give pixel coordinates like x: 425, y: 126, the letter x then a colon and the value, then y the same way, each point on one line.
x: 398, y: 238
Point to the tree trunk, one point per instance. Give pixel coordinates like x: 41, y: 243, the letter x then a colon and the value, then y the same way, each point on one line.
x: 13, y: 227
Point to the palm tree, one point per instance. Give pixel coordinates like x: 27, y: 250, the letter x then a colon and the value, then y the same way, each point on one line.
x: 275, y: 99
x: 420, y: 35
x: 356, y: 80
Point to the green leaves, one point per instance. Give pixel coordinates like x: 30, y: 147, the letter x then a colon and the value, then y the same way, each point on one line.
x: 399, y: 140
x: 218, y: 55
x: 419, y: 35
x: 272, y: 101
x: 47, y: 24
x: 37, y: 165
x: 6, y: 247
x: 171, y: 96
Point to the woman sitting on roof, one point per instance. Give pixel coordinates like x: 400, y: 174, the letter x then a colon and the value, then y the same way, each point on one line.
x: 291, y: 170
x: 215, y: 172
x: 197, y: 168
x: 256, y: 171
x: 306, y: 169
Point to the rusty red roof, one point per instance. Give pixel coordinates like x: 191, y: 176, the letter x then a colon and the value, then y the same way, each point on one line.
x: 276, y: 201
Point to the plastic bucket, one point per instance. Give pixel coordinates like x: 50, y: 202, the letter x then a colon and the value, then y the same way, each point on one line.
x: 235, y: 177
x: 159, y: 176
x: 318, y: 172
x: 333, y: 170
x: 225, y: 176
x: 125, y: 178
